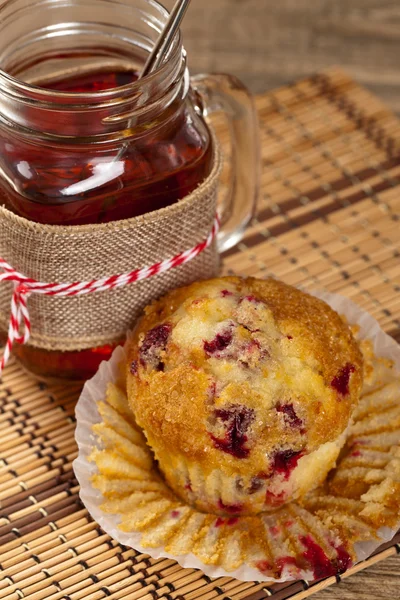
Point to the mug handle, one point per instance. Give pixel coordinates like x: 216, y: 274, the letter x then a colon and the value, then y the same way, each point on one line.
x: 225, y: 96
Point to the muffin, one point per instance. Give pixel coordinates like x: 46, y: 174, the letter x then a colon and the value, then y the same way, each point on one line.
x: 244, y: 389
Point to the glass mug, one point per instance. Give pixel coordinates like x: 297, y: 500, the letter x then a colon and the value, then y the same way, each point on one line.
x: 71, y: 103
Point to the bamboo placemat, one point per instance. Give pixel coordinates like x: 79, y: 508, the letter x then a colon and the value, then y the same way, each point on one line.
x: 328, y: 218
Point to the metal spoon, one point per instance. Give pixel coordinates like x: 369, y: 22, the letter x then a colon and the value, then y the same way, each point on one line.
x: 161, y: 49
x: 165, y: 40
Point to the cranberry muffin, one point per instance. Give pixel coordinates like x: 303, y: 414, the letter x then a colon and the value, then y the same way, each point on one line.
x: 244, y: 389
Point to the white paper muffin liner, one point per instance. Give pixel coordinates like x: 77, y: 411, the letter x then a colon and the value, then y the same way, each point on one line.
x: 357, y: 509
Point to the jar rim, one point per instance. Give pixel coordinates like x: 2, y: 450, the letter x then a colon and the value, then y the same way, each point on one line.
x: 39, y: 94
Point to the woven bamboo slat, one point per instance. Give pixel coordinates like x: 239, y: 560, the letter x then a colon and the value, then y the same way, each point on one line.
x: 328, y: 218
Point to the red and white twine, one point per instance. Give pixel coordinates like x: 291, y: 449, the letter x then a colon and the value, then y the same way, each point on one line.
x: 25, y: 286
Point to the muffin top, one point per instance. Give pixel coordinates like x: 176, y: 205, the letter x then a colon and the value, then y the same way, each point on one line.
x: 242, y: 375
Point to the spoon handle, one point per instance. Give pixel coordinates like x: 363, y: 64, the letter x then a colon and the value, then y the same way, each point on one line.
x: 160, y: 50
x: 163, y: 44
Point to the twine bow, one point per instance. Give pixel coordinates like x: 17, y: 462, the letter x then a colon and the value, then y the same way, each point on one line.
x: 19, y: 328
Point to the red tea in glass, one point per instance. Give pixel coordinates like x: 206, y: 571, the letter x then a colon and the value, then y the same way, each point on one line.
x: 83, y: 141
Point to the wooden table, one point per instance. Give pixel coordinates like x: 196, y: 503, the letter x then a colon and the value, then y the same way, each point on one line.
x: 268, y: 43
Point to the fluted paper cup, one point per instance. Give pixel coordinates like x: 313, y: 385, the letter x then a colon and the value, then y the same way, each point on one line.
x: 350, y: 515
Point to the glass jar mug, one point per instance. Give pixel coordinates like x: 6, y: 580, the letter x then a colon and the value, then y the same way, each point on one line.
x: 82, y: 140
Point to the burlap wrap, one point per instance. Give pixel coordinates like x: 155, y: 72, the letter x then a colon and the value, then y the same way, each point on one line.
x: 52, y: 253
